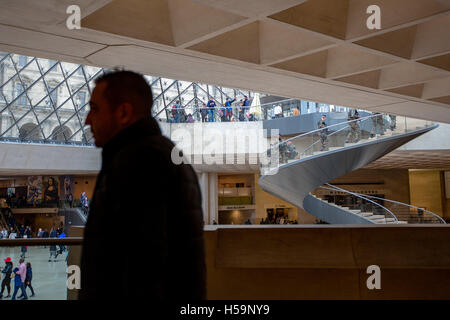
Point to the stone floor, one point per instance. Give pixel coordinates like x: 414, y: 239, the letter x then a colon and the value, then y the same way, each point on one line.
x: 49, y: 278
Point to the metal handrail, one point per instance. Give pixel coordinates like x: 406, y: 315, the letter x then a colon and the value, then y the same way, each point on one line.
x: 408, y: 205
x: 334, y: 188
x: 329, y: 135
x: 327, y: 127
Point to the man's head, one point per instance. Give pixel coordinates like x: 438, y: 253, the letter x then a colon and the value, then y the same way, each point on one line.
x: 21, y: 261
x: 324, y: 117
x: 119, y: 99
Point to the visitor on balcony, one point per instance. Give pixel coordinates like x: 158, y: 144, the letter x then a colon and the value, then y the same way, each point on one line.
x: 211, y: 105
x: 229, y: 108
x: 204, y: 113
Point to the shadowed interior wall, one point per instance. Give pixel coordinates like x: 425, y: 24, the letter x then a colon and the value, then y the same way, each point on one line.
x: 427, y: 190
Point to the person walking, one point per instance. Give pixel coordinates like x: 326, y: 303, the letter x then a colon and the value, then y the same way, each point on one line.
x: 6, y: 282
x: 19, y: 280
x: 24, y: 250
x: 53, y: 247
x: 393, y: 122
x: 323, y: 134
x: 28, y: 278
x: 355, y: 131
x: 377, y: 120
x: 134, y: 152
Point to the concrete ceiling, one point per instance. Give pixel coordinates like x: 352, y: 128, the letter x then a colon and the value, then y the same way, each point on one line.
x: 417, y: 159
x: 318, y: 50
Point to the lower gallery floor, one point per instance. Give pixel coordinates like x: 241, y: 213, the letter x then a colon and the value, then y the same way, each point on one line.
x: 49, y: 278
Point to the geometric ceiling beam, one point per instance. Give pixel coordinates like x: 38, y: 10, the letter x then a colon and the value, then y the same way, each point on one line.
x: 279, y: 42
x: 251, y: 8
x: 22, y: 38
x: 313, y: 64
x: 143, y: 20
x: 240, y: 44
x: 191, y: 20
x: 436, y: 88
x: 345, y: 61
x: 406, y: 73
x: 432, y: 38
x: 328, y: 17
x: 421, y: 110
x: 391, y: 16
x: 414, y: 90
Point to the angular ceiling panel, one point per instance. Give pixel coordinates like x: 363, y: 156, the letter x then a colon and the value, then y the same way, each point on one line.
x: 399, y: 43
x: 393, y: 13
x: 251, y: 8
x: 279, y: 42
x: 366, y: 79
x: 240, y: 44
x: 346, y: 60
x: 441, y: 62
x: 324, y: 16
x: 407, y: 73
x: 139, y: 19
x: 314, y: 64
x: 413, y: 90
x: 191, y: 20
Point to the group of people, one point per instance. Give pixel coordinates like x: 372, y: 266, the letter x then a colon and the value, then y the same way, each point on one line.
x: 287, y: 151
x: 354, y: 135
x: 22, y: 275
x: 210, y: 110
x: 277, y: 218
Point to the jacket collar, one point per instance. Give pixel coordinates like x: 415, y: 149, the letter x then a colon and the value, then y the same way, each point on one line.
x: 138, y: 130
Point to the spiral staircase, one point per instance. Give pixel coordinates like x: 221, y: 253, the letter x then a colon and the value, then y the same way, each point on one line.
x: 294, y: 178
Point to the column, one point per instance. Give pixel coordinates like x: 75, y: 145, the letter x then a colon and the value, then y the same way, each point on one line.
x: 213, y: 197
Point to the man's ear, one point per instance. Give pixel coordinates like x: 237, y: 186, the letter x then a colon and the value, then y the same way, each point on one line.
x: 125, y: 113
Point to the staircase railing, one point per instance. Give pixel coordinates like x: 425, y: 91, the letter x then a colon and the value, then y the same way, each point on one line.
x: 353, y: 131
x: 418, y: 214
x: 361, y: 206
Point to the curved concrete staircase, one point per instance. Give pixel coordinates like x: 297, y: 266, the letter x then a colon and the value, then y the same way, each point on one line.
x: 295, y: 180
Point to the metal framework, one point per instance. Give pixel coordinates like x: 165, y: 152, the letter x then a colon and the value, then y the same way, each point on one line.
x: 39, y: 99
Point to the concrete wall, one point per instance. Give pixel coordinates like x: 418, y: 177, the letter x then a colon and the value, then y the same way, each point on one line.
x: 326, y: 262
x: 321, y: 262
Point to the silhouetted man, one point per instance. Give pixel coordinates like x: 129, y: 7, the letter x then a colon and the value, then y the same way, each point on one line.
x: 136, y: 159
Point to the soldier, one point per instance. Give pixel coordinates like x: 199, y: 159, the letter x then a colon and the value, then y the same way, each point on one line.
x: 377, y: 120
x: 323, y: 133
x: 355, y: 130
x: 393, y: 121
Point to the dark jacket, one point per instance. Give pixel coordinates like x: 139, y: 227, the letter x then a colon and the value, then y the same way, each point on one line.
x: 7, y: 269
x: 166, y: 250
x: 17, y: 278
x: 29, y: 275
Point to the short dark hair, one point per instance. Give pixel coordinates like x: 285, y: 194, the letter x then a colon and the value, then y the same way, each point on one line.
x: 127, y: 86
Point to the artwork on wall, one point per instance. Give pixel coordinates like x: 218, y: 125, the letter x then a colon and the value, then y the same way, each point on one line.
x: 11, y: 191
x: 50, y: 186
x: 67, y: 187
x: 34, y: 192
